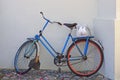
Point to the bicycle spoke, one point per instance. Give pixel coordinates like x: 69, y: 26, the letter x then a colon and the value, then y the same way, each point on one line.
x: 89, y: 63
x: 24, y: 56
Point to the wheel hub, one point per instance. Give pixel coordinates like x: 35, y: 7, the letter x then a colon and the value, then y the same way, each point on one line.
x: 84, y: 57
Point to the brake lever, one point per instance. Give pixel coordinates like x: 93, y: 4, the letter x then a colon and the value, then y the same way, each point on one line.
x: 57, y: 22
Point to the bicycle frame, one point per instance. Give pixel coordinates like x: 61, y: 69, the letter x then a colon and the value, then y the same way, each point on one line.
x: 52, y: 51
x: 83, y: 51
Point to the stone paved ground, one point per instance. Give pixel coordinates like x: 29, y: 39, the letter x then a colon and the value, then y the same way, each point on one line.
x: 7, y: 74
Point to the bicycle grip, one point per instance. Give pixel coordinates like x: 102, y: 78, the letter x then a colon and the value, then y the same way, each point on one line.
x: 41, y: 13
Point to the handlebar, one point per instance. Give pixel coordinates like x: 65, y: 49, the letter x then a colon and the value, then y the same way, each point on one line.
x: 49, y: 20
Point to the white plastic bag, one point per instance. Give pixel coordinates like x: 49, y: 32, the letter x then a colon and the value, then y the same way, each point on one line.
x: 82, y: 31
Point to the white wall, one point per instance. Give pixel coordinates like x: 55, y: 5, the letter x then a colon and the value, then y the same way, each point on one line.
x: 107, y: 29
x: 104, y: 31
x: 20, y: 19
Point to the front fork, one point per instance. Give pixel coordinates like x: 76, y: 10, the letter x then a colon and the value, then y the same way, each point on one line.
x: 29, y: 50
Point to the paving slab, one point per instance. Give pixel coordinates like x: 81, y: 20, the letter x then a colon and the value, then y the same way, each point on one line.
x: 9, y: 74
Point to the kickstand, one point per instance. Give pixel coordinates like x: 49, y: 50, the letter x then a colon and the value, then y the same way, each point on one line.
x: 59, y: 75
x: 59, y: 69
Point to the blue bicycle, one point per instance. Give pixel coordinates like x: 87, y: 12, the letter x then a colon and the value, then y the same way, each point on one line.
x: 84, y: 56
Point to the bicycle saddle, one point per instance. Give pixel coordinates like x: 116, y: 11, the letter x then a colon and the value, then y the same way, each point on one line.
x: 70, y: 25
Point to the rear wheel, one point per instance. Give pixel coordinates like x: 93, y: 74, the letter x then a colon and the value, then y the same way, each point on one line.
x: 84, y: 65
x: 24, y: 55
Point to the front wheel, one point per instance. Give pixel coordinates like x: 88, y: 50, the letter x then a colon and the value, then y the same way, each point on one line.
x: 24, y: 55
x: 84, y: 65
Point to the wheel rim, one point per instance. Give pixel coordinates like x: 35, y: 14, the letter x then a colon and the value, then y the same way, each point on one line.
x: 21, y: 61
x: 88, y: 65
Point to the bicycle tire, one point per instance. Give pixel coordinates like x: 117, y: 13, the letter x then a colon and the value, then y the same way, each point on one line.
x: 22, y: 59
x: 90, y: 65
